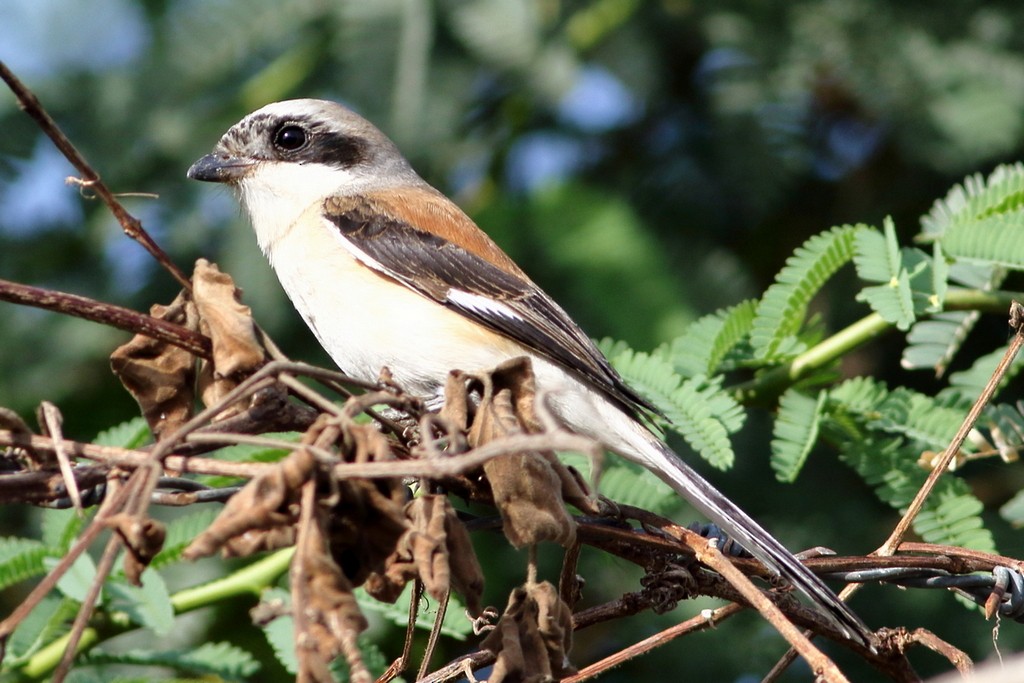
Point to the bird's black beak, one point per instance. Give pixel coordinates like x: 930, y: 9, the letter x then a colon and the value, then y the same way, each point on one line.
x: 220, y: 168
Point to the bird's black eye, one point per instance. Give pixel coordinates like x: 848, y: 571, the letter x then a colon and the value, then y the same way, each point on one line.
x: 290, y: 137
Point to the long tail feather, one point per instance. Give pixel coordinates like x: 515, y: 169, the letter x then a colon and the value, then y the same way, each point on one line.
x: 762, y: 545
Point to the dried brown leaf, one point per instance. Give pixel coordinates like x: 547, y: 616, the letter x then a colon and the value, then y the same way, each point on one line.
x: 142, y: 537
x: 237, y: 351
x: 329, y: 615
x: 435, y: 548
x: 268, y: 503
x: 467, y: 578
x: 533, y: 637
x: 527, y: 487
x: 368, y: 518
x: 226, y: 321
x: 160, y: 376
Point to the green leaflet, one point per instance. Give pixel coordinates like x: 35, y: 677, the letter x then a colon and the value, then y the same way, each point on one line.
x: 933, y: 342
x: 911, y: 282
x: 20, y: 559
x: 129, y: 434
x: 953, y: 517
x: 47, y: 622
x: 696, y: 407
x: 782, y: 310
x: 970, y: 382
x: 148, y: 605
x: 703, y: 346
x: 795, y: 432
x: 997, y: 240
x: 180, y: 532
x: 212, y: 659
x: 931, y: 422
x: 455, y: 623
x: 977, y: 198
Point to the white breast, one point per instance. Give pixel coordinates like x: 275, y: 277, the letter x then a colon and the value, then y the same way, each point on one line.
x: 366, y: 321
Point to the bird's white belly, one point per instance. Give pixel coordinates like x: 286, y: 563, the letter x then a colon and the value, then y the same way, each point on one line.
x: 366, y: 321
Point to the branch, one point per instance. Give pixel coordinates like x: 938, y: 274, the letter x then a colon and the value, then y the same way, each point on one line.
x: 773, y: 382
x: 106, y: 314
x: 131, y: 225
x: 942, y: 464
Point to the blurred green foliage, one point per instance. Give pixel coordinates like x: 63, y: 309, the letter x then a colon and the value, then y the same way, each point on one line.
x: 646, y: 162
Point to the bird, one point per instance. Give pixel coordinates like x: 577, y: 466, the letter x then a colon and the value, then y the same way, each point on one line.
x: 388, y: 272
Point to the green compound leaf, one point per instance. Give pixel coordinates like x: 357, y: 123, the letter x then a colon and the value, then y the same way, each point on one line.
x: 782, y: 310
x: 932, y: 343
x: 130, y: 434
x: 148, y: 605
x: 221, y: 660
x: 911, y: 282
x: 977, y: 198
x: 795, y: 432
x: 997, y: 240
x: 701, y: 349
x: 697, y: 408
x: 20, y: 559
x: 180, y: 532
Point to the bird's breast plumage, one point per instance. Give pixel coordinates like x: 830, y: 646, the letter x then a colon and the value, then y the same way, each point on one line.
x: 366, y: 321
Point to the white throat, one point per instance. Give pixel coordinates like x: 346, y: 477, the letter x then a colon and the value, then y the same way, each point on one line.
x: 276, y: 194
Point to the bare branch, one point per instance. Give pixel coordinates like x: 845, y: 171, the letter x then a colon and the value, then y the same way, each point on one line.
x: 132, y: 227
x: 105, y: 314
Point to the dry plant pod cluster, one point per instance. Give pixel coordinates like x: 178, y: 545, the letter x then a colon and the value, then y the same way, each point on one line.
x: 436, y: 549
x: 533, y: 638
x: 530, y: 489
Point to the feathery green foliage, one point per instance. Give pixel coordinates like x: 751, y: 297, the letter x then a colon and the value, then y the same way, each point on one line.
x: 795, y: 432
x: 222, y: 660
x: 20, y: 559
x: 997, y: 240
x: 180, y: 532
x: 782, y: 310
x: 883, y: 433
x: 977, y: 198
x: 933, y: 341
x: 701, y: 349
x: 911, y: 282
x: 697, y: 408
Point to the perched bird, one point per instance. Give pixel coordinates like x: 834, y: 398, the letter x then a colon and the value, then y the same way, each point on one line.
x: 387, y: 271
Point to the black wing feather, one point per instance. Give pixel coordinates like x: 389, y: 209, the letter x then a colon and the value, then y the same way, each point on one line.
x: 434, y: 267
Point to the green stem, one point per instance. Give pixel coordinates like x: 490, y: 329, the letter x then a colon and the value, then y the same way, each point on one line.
x: 767, y: 386
x: 249, y: 580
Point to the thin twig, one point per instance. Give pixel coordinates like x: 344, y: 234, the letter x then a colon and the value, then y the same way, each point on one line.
x: 106, y: 314
x: 890, y: 545
x: 398, y: 666
x: 48, y: 582
x: 693, y: 625
x: 435, y: 634
x: 709, y: 554
x: 457, y: 668
x: 52, y: 418
x: 132, y: 227
x: 103, y: 568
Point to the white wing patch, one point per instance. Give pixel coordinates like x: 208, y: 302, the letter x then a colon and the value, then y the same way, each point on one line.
x: 482, y: 305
